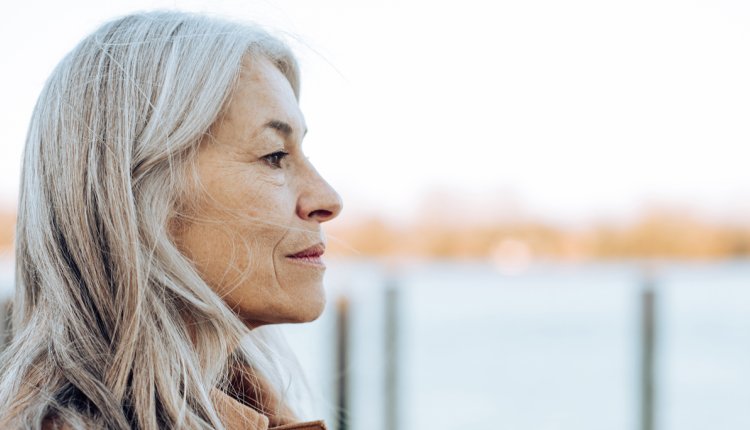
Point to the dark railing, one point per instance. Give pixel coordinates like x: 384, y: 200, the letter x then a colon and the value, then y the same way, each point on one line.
x: 647, y: 356
x: 648, y: 328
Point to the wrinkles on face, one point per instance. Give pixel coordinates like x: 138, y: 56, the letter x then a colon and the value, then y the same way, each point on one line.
x: 248, y: 225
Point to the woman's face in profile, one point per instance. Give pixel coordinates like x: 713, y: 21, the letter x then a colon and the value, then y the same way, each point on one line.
x: 255, y: 235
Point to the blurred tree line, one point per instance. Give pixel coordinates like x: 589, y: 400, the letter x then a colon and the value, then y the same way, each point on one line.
x: 662, y: 234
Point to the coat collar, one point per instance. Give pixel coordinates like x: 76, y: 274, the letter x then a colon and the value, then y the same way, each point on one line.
x: 256, y: 407
x: 236, y: 416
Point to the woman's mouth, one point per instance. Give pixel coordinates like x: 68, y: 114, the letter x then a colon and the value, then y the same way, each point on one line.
x: 311, y: 256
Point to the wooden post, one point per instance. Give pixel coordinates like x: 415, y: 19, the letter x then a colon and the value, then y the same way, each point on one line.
x: 648, y: 355
x: 342, y: 363
x: 392, y: 327
x: 6, y: 326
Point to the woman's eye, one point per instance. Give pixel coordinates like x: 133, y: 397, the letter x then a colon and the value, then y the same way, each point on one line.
x: 274, y: 159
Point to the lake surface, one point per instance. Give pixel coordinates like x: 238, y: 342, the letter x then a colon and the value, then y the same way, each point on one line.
x: 554, y: 347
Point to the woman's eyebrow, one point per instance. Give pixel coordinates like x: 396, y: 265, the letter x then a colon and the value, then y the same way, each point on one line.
x: 281, y: 127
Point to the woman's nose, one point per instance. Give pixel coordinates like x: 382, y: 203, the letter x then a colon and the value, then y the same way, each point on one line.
x: 319, y: 201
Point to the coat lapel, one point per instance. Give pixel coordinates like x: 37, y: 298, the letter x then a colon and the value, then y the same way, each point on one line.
x: 258, y: 406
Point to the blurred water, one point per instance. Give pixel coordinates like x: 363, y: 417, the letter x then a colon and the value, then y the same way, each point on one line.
x: 553, y: 348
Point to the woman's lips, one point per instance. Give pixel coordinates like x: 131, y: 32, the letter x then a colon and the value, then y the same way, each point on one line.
x: 310, y: 255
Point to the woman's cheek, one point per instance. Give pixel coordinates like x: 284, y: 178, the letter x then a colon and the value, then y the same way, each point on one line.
x: 272, y: 196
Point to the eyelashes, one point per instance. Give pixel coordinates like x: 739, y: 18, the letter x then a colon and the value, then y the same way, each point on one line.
x: 274, y: 159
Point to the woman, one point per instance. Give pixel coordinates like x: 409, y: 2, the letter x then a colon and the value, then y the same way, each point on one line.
x: 166, y: 209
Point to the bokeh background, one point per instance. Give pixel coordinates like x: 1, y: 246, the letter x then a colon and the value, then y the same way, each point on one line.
x: 516, y: 174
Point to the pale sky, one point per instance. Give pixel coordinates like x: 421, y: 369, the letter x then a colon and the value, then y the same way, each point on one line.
x: 573, y: 110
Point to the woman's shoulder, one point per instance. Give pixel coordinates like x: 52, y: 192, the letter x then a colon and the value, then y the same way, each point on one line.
x: 309, y: 425
x: 57, y: 424
x: 233, y: 414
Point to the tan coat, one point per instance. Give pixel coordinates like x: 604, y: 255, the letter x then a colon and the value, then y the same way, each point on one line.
x: 257, y: 395
x: 237, y: 416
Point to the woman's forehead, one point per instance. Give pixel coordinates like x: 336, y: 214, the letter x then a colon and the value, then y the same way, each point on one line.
x: 263, y: 95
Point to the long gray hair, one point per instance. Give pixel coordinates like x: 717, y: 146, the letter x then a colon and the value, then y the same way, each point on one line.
x: 113, y: 327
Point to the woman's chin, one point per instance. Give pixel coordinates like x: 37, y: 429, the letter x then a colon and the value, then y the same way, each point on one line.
x: 300, y: 310
x: 308, y: 311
